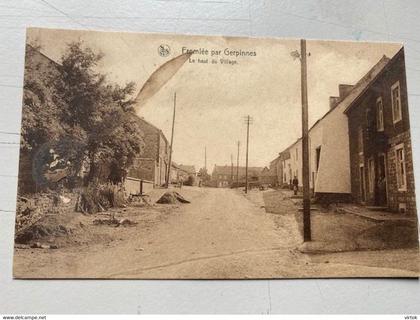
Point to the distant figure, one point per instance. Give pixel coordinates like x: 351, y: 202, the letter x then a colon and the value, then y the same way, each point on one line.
x: 295, y: 183
x: 181, y: 181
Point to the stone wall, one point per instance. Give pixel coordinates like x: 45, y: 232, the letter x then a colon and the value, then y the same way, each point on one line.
x: 397, y: 200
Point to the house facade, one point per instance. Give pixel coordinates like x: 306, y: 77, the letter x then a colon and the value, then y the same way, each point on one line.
x: 291, y: 166
x: 276, y: 171
x: 226, y: 176
x: 286, y: 168
x: 152, y: 162
x: 183, y: 173
x: 267, y: 177
x: 380, y: 142
x: 329, y: 145
x: 177, y: 174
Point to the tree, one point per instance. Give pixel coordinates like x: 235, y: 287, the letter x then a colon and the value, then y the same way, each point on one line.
x: 40, y: 114
x: 97, y: 112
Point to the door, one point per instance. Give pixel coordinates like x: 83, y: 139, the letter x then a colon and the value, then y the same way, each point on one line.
x: 362, y: 184
x: 381, y: 183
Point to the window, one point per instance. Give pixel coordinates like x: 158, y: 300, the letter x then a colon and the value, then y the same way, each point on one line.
x: 360, y: 140
x: 379, y: 114
x: 396, y: 102
x: 400, y: 167
x: 371, y: 177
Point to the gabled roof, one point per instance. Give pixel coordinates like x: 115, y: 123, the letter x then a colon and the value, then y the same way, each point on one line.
x: 187, y: 168
x: 363, y: 84
x: 144, y: 123
x: 31, y: 47
x: 178, y: 167
x: 357, y: 91
x: 275, y: 160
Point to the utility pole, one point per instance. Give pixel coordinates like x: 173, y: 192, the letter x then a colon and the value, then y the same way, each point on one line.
x: 237, y: 167
x: 172, y: 143
x: 231, y: 170
x: 205, y: 158
x: 305, y: 146
x: 248, y: 121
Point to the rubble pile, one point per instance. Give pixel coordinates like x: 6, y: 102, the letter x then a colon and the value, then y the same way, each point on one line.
x: 172, y: 197
x: 31, y: 208
x: 47, y: 227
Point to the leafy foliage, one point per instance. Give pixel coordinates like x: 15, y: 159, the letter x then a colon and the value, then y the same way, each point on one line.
x: 100, y: 112
x: 73, y: 101
x: 40, y: 114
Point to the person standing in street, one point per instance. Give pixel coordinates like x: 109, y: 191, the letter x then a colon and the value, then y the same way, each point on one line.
x: 295, y: 183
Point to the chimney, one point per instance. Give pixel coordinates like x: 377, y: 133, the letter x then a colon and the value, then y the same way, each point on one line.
x: 334, y: 101
x: 344, y: 90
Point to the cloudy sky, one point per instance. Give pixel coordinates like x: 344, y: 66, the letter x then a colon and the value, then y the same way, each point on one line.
x: 213, y: 99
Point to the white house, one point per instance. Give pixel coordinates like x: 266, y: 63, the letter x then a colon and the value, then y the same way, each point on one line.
x: 329, y: 158
x: 329, y: 155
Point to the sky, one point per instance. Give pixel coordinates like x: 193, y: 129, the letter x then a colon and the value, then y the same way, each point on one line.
x: 214, y: 99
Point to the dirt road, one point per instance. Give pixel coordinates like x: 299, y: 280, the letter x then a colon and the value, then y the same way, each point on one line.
x: 219, y: 235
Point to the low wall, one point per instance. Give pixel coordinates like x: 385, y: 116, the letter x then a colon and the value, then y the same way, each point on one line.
x: 137, y: 186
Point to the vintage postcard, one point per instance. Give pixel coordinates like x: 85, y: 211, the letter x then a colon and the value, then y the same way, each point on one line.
x: 158, y: 156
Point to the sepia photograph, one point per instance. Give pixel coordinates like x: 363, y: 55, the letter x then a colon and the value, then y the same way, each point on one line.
x: 163, y: 156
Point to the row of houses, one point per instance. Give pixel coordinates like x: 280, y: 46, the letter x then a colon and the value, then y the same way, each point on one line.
x: 151, y: 165
x: 227, y: 176
x: 360, y: 150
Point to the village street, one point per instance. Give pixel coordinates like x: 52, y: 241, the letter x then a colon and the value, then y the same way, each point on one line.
x: 220, y: 234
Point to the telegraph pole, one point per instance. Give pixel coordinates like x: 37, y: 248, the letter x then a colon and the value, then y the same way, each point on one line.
x: 305, y: 145
x: 231, y: 170
x: 205, y: 158
x: 172, y: 143
x: 248, y: 121
x: 237, y: 167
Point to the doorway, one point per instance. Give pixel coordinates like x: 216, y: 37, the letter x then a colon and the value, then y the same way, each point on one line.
x: 381, y: 198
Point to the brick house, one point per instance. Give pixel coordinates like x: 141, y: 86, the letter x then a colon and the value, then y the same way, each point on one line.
x: 331, y: 176
x: 185, y: 173
x: 266, y: 177
x: 380, y: 143
x: 225, y: 176
x: 152, y: 162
